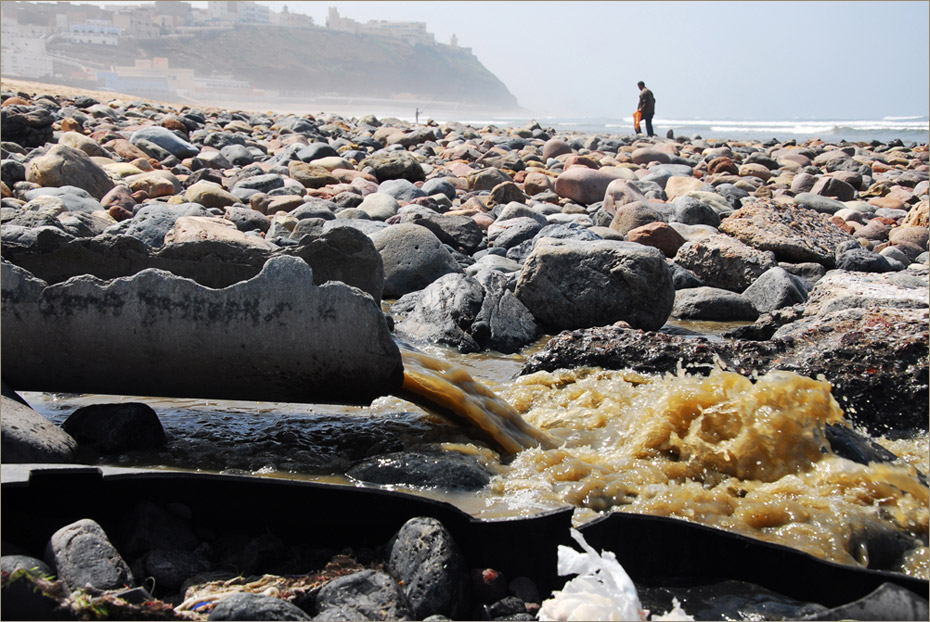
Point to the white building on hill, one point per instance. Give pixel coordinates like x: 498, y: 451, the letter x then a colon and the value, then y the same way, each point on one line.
x: 414, y: 33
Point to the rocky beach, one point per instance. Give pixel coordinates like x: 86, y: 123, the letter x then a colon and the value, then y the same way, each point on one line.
x: 731, y: 333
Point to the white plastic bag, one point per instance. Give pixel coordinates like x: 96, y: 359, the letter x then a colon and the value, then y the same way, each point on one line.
x: 601, y: 591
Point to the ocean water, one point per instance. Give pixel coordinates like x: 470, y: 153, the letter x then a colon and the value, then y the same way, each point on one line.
x: 915, y: 129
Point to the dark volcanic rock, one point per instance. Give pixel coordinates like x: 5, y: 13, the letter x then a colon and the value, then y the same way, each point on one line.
x: 427, y: 560
x: 116, y: 428
x: 248, y: 606
x: 445, y: 470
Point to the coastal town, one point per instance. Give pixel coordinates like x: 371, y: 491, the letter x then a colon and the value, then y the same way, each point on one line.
x: 33, y: 33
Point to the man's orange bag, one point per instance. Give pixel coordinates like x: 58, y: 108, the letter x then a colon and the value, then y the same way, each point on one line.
x: 637, y: 117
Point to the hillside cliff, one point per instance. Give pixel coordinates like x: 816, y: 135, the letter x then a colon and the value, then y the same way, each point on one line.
x: 318, y: 61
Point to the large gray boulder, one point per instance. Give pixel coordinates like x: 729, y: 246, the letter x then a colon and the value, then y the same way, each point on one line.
x: 713, y: 304
x: 167, y: 140
x: 275, y: 337
x: 776, y: 288
x: 725, y: 262
x: 27, y: 436
x: 470, y: 314
x: 343, y: 254
x: 413, y: 258
x: 574, y: 284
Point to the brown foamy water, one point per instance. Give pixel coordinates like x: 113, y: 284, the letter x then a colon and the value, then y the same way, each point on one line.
x: 746, y: 456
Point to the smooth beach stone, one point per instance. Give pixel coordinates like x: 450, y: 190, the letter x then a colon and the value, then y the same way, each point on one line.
x: 152, y: 222
x: 315, y: 151
x: 438, y: 185
x: 81, y: 553
x: 246, y: 218
x: 573, y: 284
x: 724, y: 262
x: 713, y: 304
x: 515, y: 209
x: 486, y: 179
x: 645, y: 155
x: 825, y: 205
x: 909, y: 234
x: 84, y: 143
x: 793, y: 234
x: 692, y: 211
x: 459, y: 232
x: 310, y: 175
x: 774, y: 289
x: 659, y: 235
x: 198, y: 228
x: 65, y: 166
x: 237, y: 155
x: 491, y: 261
x: 12, y: 171
x: 832, y: 187
x: 413, y: 258
x: 262, y: 182
x: 394, y: 165
x: 632, y: 215
x: 159, y: 183
x: 333, y: 163
x: 218, y: 140
x: 379, y: 206
x: 513, y: 231
x: 583, y: 185
x: 27, y: 436
x: 167, y: 140
x: 210, y: 194
x: 433, y: 574
x: 116, y: 428
x: 862, y: 260
x: 680, y: 186
x: 682, y: 278
x: 72, y: 199
x: 620, y: 192
x: 401, y: 190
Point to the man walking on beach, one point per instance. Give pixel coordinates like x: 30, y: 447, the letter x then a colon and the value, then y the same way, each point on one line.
x: 647, y: 106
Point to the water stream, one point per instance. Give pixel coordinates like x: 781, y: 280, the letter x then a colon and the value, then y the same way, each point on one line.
x: 745, y: 455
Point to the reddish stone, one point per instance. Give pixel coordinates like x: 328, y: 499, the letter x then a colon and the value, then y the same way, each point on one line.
x: 119, y: 213
x: 660, y: 235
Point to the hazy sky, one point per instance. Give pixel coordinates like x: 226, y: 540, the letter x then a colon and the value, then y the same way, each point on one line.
x: 712, y: 60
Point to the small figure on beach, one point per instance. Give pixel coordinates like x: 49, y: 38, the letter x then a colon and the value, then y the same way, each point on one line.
x: 416, y: 115
x: 646, y: 107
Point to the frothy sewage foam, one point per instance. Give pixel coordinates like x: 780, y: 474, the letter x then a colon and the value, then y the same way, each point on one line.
x: 747, y: 456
